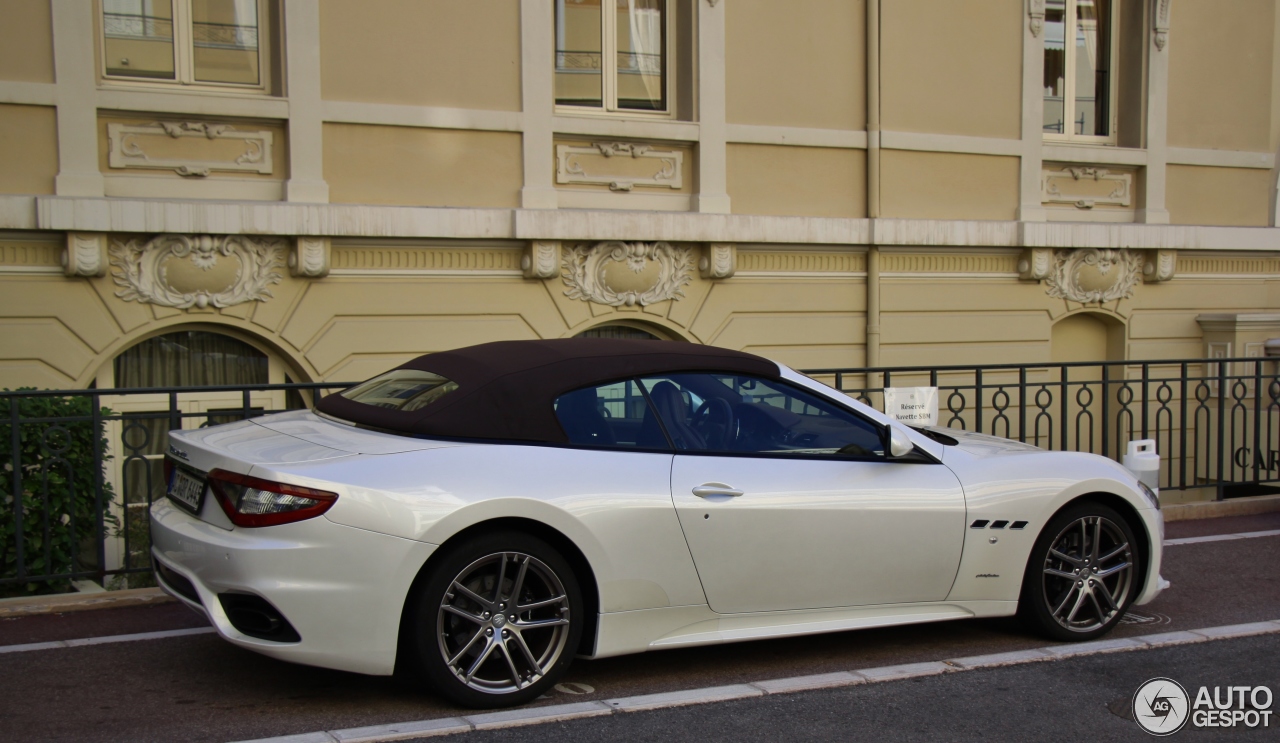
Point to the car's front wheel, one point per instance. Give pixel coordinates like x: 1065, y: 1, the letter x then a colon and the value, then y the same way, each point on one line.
x: 497, y: 621
x: 1082, y: 574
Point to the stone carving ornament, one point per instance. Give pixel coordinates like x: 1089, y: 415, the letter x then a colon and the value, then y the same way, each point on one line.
x: 1035, y: 11
x: 217, y: 270
x: 627, y: 274
x: 85, y: 254
x: 1094, y: 274
x: 1160, y: 24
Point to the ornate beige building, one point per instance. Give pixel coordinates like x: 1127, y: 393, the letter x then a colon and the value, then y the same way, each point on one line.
x: 339, y: 185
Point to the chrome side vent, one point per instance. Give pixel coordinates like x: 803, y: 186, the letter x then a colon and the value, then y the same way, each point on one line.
x: 1019, y: 525
x: 979, y: 524
x: 999, y: 524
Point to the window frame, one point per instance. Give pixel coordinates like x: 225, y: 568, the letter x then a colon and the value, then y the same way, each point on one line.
x: 184, y: 54
x: 794, y: 389
x: 609, y: 66
x: 1071, y: 21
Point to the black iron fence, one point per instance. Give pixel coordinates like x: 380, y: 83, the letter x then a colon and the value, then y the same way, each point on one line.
x: 79, y: 468
x: 1216, y: 422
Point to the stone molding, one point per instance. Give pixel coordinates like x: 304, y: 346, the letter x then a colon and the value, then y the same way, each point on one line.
x: 360, y: 260
x: 572, y: 164
x: 126, y: 142
x: 954, y: 263
x: 1228, y: 265
x: 719, y: 261
x: 1093, y: 275
x: 618, y: 274
x: 541, y: 260
x: 31, y: 256
x: 756, y: 262
x: 310, y: 257
x: 85, y: 254
x: 144, y: 270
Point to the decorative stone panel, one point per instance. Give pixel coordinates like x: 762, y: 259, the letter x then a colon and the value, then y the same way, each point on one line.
x: 1085, y: 187
x: 719, y: 261
x: 541, y: 260
x: 85, y: 254
x: 619, y: 273
x: 185, y: 271
x: 190, y: 148
x: 621, y: 166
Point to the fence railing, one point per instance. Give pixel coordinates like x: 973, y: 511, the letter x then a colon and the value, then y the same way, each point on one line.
x: 79, y: 468
x: 1216, y: 422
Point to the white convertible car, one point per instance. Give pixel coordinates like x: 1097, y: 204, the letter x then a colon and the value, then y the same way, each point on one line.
x: 479, y: 517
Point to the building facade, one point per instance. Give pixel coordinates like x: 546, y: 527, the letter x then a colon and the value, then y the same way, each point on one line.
x: 206, y: 191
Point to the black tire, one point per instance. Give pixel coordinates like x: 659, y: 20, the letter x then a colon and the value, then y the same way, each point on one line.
x: 524, y: 657
x: 1084, y: 573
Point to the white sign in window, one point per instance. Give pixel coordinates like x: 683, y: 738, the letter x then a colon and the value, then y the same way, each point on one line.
x: 915, y: 406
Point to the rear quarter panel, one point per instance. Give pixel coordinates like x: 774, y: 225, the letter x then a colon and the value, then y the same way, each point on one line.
x: 615, y: 506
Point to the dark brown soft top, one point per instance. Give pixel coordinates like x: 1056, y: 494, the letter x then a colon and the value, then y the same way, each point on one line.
x: 506, y: 389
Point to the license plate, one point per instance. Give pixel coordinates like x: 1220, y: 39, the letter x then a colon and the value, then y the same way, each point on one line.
x: 187, y: 490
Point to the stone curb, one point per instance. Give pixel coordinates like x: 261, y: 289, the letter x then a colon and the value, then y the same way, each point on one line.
x: 1250, y: 506
x: 64, y: 602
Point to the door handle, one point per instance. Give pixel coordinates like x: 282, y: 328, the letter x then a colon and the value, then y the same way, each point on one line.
x: 715, y: 488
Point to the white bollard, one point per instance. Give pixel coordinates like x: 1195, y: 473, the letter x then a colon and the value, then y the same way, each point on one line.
x: 1142, y: 460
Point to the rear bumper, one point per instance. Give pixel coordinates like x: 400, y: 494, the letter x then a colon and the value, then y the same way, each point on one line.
x: 341, y: 588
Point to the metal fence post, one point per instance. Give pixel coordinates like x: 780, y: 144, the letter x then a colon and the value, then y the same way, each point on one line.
x: 1222, y: 430
x: 15, y: 439
x: 100, y: 528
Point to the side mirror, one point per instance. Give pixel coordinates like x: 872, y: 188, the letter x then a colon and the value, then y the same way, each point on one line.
x: 899, y: 443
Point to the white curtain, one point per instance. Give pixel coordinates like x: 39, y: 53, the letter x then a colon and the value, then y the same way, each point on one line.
x: 646, y: 43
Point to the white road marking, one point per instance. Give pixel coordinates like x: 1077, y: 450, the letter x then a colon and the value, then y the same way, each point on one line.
x: 536, y: 715
x: 104, y: 640
x: 1221, y: 537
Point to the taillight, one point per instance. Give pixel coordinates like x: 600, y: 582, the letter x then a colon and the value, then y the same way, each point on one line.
x: 252, y: 501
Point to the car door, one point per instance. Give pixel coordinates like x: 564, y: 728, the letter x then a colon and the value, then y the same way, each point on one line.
x: 788, y: 501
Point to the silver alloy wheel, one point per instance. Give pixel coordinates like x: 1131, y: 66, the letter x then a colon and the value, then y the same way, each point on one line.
x: 503, y: 623
x: 1088, y: 574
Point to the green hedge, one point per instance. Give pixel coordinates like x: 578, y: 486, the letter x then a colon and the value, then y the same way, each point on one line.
x: 56, y: 463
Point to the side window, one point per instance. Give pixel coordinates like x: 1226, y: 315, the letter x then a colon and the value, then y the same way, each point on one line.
x: 749, y: 415
x: 613, y: 416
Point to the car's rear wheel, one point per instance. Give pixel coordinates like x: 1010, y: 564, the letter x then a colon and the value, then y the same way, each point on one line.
x: 1082, y: 575
x: 497, y: 621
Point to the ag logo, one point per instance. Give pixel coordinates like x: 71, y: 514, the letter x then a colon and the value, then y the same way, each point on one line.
x: 1160, y: 706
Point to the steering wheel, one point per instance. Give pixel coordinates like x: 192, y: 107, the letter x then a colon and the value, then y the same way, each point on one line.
x: 717, y: 433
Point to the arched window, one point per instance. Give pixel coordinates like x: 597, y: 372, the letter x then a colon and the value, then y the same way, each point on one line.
x: 619, y: 331
x: 191, y: 358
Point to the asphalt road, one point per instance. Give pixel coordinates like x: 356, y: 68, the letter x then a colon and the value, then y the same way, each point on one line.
x: 200, y: 688
x: 1075, y: 699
